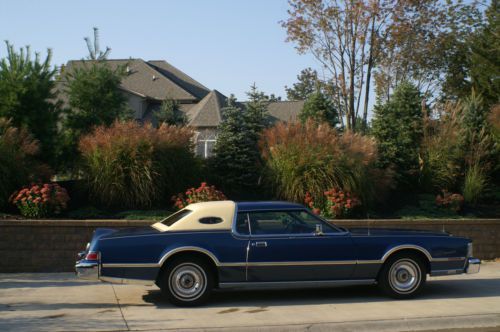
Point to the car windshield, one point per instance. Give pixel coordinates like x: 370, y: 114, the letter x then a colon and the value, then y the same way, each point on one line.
x: 173, y: 218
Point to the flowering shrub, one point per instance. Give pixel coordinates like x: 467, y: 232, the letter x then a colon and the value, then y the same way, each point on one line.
x: 335, y: 203
x: 40, y: 201
x: 204, y: 193
x: 450, y: 201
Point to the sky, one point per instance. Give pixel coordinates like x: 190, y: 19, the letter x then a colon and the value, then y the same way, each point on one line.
x: 224, y: 44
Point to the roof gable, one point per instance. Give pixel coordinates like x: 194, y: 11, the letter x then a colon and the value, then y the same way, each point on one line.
x: 207, y: 113
x: 144, y: 80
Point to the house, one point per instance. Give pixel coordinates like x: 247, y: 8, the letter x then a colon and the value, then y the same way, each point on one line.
x: 148, y: 83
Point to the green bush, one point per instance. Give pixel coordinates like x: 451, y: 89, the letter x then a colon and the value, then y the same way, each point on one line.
x: 312, y: 158
x: 475, y: 184
x: 18, y: 165
x: 133, y: 166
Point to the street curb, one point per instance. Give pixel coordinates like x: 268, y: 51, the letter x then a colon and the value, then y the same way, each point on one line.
x: 411, y: 324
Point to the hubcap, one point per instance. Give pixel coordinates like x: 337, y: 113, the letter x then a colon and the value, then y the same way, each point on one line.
x: 404, y: 276
x: 187, y: 281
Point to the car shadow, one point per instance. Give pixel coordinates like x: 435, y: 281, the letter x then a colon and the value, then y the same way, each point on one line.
x: 435, y: 289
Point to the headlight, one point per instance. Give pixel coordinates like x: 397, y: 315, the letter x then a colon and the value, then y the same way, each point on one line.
x: 469, y: 249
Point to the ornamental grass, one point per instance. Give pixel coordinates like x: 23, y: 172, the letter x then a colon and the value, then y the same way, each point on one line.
x: 301, y: 158
x: 135, y: 166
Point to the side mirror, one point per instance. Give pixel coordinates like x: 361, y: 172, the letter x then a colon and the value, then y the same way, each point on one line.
x: 319, y: 230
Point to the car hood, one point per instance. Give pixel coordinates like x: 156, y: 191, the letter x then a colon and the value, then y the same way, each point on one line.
x: 394, y: 232
x: 132, y: 231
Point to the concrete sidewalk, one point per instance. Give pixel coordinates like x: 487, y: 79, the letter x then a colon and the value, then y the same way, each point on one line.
x: 59, y: 302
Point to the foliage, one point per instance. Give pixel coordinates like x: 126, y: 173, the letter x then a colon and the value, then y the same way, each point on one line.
x: 450, y: 201
x: 94, y: 99
x: 302, y: 158
x: 237, y: 163
x: 475, y: 184
x: 170, y: 114
x: 95, y: 52
x: 307, y: 84
x: 335, y: 203
x: 41, y: 200
x: 425, y: 207
x: 26, y: 97
x: 133, y: 166
x: 442, y: 150
x: 18, y: 163
x: 320, y: 109
x: 421, y: 42
x: 204, y: 193
x: 398, y: 129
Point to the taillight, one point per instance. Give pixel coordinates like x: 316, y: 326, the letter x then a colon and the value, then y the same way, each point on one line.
x: 92, y: 256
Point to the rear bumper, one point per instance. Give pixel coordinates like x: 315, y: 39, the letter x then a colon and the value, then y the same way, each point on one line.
x: 87, y: 270
x: 473, y: 265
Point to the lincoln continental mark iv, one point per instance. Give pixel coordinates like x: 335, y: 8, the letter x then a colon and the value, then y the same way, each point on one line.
x: 226, y: 244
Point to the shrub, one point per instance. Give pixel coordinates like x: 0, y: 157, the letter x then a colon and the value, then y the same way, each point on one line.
x: 442, y: 150
x: 40, y: 201
x: 312, y: 158
x: 204, y: 193
x: 133, y: 166
x: 398, y: 127
x: 450, y: 201
x: 335, y: 204
x: 475, y: 184
x: 18, y: 164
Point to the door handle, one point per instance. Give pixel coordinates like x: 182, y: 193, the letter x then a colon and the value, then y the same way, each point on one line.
x: 259, y: 244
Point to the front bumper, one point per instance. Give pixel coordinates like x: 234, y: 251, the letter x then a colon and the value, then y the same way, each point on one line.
x: 87, y: 270
x: 473, y: 265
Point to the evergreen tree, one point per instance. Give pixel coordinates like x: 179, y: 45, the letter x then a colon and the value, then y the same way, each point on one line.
x: 27, y: 98
x: 485, y: 57
x: 398, y: 129
x: 236, y: 160
x: 169, y: 113
x: 95, y: 99
x: 95, y: 52
x: 320, y: 109
x: 307, y: 84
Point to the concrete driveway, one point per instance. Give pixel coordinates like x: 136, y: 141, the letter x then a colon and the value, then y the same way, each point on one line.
x: 59, y: 302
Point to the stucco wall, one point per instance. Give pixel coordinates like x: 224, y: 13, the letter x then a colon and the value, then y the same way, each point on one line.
x: 51, y: 245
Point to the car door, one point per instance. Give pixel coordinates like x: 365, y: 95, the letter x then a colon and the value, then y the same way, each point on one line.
x: 297, y: 246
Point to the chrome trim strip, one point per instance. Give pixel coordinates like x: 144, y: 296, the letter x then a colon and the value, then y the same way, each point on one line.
x: 375, y: 261
x: 253, y: 264
x: 407, y: 246
x: 301, y: 263
x: 295, y: 284
x: 130, y: 265
x: 189, y: 248
x: 448, y: 259
x: 114, y: 280
x: 438, y: 273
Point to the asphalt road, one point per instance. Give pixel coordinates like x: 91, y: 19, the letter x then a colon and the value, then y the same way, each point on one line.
x: 59, y: 302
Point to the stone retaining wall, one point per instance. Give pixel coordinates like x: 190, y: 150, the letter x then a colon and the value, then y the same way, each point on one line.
x: 51, y: 245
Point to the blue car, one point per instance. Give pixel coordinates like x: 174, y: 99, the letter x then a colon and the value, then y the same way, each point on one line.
x: 235, y: 245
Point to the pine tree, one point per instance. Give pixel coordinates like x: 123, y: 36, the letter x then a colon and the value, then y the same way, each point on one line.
x: 485, y: 57
x: 27, y: 98
x: 398, y: 129
x: 320, y: 109
x: 307, y: 84
x: 236, y: 161
x: 169, y: 113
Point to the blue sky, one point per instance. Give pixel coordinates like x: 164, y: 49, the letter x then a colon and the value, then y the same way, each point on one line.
x: 226, y: 45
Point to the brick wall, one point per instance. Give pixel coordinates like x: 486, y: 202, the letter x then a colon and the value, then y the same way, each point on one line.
x: 51, y: 245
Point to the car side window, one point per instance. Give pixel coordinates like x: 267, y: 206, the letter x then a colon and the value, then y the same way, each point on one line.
x: 242, y: 226
x: 276, y: 222
x: 309, y: 219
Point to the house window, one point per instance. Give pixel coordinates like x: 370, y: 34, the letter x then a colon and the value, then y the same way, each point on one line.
x: 205, y: 147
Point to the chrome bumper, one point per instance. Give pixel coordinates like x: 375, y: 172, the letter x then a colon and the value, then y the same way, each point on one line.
x: 87, y: 271
x: 473, y: 265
